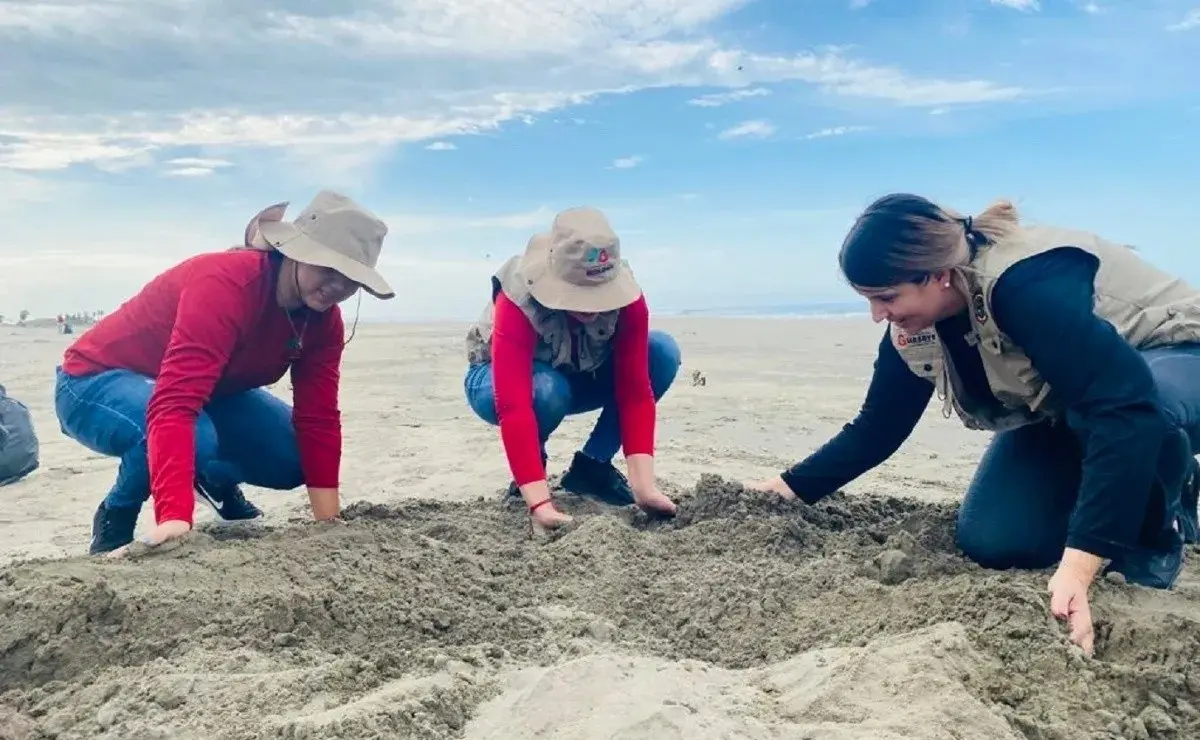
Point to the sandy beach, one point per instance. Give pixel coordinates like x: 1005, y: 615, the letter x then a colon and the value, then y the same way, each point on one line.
x: 431, y: 613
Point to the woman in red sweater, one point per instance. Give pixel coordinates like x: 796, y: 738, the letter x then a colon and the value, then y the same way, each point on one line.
x: 172, y: 382
x: 568, y: 331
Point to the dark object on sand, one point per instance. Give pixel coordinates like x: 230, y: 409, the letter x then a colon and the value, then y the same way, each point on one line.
x: 698, y: 378
x: 18, y: 441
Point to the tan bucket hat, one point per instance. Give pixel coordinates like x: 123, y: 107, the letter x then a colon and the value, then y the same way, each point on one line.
x: 577, y: 265
x: 332, y: 231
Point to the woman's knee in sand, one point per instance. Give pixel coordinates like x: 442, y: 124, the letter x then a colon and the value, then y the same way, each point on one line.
x: 996, y: 546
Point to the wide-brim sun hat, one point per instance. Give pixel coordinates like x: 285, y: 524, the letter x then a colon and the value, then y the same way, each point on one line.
x: 332, y: 231
x: 577, y: 265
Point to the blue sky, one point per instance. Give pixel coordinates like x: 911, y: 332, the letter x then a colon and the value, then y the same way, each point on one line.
x: 731, y: 142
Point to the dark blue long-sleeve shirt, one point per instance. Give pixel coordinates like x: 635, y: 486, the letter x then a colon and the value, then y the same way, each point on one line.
x: 1045, y: 305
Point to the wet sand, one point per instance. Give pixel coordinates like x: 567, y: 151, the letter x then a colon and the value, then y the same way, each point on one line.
x: 432, y: 613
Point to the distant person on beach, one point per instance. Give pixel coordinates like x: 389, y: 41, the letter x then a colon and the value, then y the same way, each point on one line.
x: 567, y: 330
x: 1083, y: 359
x: 172, y: 382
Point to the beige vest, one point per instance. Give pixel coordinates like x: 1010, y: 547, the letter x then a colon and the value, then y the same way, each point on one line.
x: 562, y: 343
x: 1147, y: 306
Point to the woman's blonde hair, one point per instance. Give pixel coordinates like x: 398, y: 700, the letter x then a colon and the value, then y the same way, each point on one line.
x: 903, y: 238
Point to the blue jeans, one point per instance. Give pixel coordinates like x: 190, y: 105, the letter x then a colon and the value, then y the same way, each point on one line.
x: 241, y: 438
x: 1017, y: 508
x: 557, y: 394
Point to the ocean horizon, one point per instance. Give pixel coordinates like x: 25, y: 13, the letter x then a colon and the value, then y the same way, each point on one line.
x: 812, y: 310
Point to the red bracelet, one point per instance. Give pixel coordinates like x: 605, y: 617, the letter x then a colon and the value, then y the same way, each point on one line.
x: 540, y: 504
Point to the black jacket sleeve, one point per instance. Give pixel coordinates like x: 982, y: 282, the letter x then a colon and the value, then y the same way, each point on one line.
x: 1045, y: 305
x: 895, y: 401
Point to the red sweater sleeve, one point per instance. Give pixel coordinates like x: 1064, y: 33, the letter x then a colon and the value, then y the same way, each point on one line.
x: 514, y: 341
x: 208, y: 321
x: 315, y: 413
x: 636, y: 408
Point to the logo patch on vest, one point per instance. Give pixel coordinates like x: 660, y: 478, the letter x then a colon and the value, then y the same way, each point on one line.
x: 904, y: 339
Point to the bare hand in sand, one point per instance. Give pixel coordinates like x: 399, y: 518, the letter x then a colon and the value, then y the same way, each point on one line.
x: 1069, y: 601
x: 155, y: 540
x: 549, y: 517
x: 541, y: 505
x: 651, y: 500
x: 774, y: 485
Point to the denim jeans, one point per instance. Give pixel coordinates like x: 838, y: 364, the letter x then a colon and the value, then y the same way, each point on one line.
x: 557, y: 394
x: 241, y: 438
x: 1016, y: 511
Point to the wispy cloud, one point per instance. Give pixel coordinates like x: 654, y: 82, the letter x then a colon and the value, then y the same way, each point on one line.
x: 1023, y: 5
x: 1190, y: 22
x: 749, y: 129
x: 836, y: 131
x: 441, y: 146
x: 715, y: 100
x: 627, y: 163
x: 131, y: 83
x: 194, y: 166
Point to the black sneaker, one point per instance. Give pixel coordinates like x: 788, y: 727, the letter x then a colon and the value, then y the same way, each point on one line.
x: 1151, y: 569
x: 228, y: 502
x: 599, y: 480
x: 112, y: 528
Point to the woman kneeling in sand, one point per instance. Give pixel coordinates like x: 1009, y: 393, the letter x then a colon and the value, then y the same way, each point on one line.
x: 567, y: 331
x: 172, y: 382
x: 1083, y: 358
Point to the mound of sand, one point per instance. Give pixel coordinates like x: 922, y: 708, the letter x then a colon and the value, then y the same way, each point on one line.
x: 744, y: 617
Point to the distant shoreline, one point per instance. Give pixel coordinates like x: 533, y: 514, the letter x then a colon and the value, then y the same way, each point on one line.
x: 839, y: 310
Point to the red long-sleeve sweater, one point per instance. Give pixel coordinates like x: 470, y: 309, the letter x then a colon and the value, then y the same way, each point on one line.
x: 210, y: 326
x: 514, y: 341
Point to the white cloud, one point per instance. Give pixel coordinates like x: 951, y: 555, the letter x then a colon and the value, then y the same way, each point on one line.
x: 715, y: 100
x: 189, y: 172
x: 1023, y: 5
x: 627, y: 163
x: 441, y: 146
x: 836, y: 131
x: 194, y: 166
x: 1190, y: 21
x: 127, y: 83
x: 748, y: 129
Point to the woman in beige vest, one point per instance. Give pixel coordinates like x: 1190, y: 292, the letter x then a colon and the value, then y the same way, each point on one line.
x: 567, y: 331
x: 1080, y: 356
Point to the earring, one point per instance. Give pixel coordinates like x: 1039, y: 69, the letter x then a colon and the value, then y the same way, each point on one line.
x: 946, y: 284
